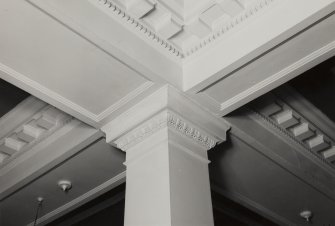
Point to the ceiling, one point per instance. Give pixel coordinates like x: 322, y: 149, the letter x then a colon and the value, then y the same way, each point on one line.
x: 111, y: 66
x: 112, y: 61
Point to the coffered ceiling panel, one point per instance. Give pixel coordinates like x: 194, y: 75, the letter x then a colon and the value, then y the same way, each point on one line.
x: 51, y: 61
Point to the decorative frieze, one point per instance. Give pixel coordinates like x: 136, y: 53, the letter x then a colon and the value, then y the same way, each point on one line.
x: 182, y: 27
x: 166, y: 119
x: 33, y: 129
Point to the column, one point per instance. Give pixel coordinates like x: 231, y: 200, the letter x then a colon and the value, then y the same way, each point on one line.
x: 167, y: 173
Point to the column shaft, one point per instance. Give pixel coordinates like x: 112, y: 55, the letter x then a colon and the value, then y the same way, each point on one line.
x: 167, y: 177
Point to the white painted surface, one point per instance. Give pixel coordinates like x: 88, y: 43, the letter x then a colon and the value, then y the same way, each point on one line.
x: 45, y: 58
x: 102, y: 60
x: 272, y: 69
x: 276, y: 23
x: 167, y: 181
x: 165, y: 97
x: 65, y: 142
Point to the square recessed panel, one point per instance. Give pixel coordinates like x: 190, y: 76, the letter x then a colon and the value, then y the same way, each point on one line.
x: 62, y: 61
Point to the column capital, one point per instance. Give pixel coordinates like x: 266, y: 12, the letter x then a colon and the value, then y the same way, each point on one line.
x: 170, y: 108
x: 166, y: 119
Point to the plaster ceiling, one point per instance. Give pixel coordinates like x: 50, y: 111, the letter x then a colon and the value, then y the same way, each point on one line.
x: 92, y: 60
x: 64, y: 67
x: 87, y: 81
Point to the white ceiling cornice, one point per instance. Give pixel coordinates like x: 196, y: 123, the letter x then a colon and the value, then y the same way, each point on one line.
x: 277, y: 114
x: 182, y: 27
x: 27, y: 125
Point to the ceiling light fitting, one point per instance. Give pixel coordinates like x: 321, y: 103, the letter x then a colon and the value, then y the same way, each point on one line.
x: 306, y: 214
x: 39, y: 200
x: 65, y: 185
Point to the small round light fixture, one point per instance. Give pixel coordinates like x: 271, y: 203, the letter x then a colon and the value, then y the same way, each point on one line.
x: 40, y: 199
x: 65, y: 185
x: 307, y: 215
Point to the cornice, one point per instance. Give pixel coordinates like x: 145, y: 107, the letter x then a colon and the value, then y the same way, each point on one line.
x: 235, y: 21
x: 159, y: 22
x: 296, y: 101
x: 20, y: 113
x: 36, y: 121
x: 166, y: 119
x: 280, y: 116
x: 137, y: 26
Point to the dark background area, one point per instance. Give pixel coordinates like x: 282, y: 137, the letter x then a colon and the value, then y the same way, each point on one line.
x: 318, y: 86
x: 10, y: 96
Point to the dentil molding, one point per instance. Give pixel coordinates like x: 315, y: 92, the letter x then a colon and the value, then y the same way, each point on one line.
x: 278, y: 114
x: 37, y: 120
x: 166, y: 119
x: 182, y: 27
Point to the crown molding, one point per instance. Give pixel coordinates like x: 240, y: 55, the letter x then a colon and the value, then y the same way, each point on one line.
x: 257, y: 133
x: 138, y: 27
x: 166, y: 119
x: 163, y: 21
x: 26, y: 125
x: 280, y: 116
x: 297, y: 102
x: 19, y: 114
x: 63, y: 143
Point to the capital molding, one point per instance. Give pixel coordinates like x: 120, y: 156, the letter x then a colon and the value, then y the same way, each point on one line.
x: 166, y: 108
x: 166, y: 119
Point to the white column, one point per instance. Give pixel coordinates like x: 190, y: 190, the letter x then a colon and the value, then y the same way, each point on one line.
x: 167, y: 173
